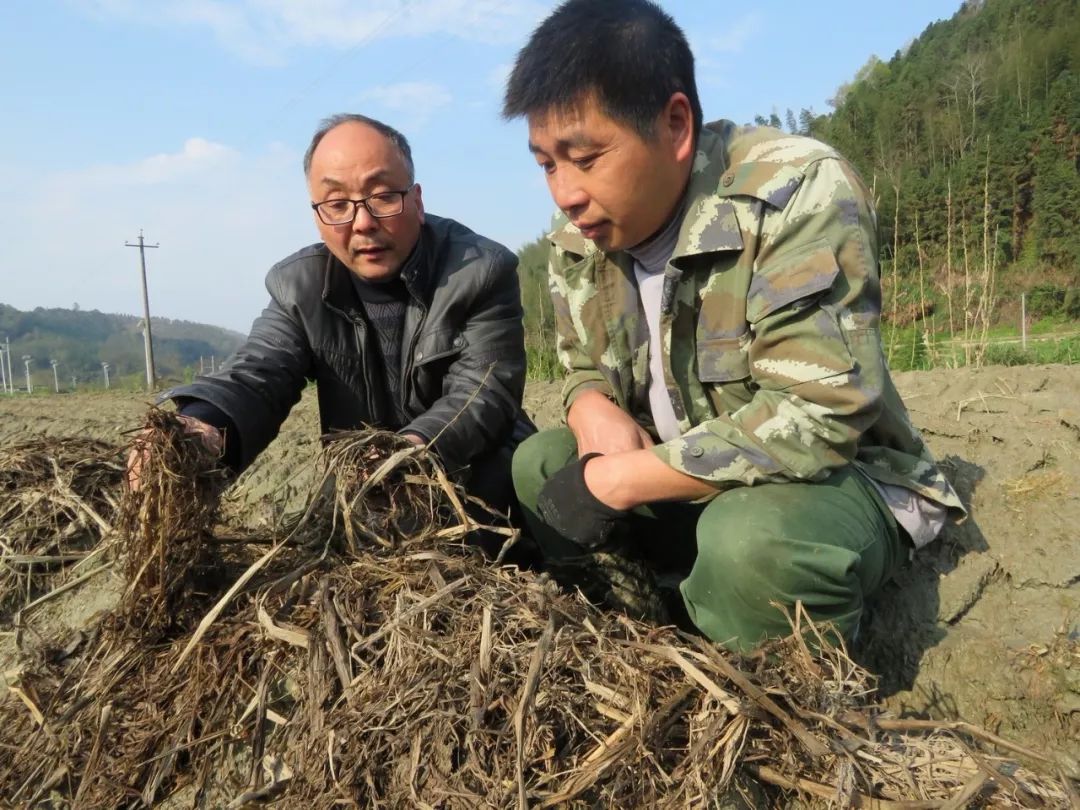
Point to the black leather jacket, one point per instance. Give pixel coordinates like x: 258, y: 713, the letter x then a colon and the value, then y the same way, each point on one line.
x: 463, y: 360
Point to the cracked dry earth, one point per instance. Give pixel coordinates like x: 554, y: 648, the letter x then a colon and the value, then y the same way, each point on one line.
x: 985, y: 623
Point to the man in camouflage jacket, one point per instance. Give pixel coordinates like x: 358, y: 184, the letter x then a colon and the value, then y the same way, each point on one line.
x: 742, y: 409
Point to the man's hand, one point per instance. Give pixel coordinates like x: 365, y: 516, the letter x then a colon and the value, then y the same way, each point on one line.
x: 601, y: 426
x: 566, y: 505
x: 137, y: 457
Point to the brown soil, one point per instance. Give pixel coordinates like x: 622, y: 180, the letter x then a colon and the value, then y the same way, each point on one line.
x: 984, y: 625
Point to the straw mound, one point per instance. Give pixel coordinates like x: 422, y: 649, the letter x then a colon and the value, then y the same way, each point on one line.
x: 404, y: 670
x: 58, y: 499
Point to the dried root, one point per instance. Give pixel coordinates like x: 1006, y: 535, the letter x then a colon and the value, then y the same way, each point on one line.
x: 167, y: 525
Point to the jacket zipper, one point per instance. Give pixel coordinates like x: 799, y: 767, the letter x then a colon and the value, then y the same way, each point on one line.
x: 365, y: 365
x: 417, y: 309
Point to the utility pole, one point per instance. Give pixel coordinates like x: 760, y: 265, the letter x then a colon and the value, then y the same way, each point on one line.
x: 74, y: 383
x: 55, y: 378
x: 1023, y: 321
x: 10, y: 378
x: 148, y: 343
x: 3, y: 371
x: 105, y: 368
x: 27, y: 359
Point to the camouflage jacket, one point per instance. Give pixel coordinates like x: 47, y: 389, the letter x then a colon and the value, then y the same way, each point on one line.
x: 770, y: 318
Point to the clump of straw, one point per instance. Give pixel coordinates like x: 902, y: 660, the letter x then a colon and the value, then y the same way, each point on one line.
x: 167, y: 524
x: 58, y: 499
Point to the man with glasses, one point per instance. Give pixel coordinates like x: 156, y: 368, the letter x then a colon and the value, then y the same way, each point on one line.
x: 404, y: 320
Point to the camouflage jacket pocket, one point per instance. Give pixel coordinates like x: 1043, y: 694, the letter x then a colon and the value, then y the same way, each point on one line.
x: 793, y: 315
x: 723, y: 359
x: 795, y: 280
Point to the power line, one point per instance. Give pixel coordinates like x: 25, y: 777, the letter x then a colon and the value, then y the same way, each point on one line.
x: 346, y: 54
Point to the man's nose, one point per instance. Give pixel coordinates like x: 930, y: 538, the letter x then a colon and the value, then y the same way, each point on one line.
x: 567, y: 191
x: 364, y: 222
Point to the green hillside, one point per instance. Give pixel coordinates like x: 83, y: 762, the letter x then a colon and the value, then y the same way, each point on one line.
x: 970, y: 139
x: 997, y: 88
x: 81, y: 340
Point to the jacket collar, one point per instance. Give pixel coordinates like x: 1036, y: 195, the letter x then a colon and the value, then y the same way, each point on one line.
x: 339, y: 295
x: 708, y: 225
x: 729, y: 162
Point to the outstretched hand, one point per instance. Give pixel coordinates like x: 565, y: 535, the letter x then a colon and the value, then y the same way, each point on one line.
x: 211, y: 437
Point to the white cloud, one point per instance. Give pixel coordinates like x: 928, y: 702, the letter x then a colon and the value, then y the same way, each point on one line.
x: 236, y: 26
x: 713, y: 52
x: 734, y: 39
x: 409, y: 96
x: 348, y: 22
x: 196, y: 155
x: 262, y: 31
x: 412, y: 103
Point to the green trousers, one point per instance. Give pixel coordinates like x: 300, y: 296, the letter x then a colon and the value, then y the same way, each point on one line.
x: 828, y: 544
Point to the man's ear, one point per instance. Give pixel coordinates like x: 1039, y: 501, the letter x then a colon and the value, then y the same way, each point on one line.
x: 677, y: 120
x: 419, y: 202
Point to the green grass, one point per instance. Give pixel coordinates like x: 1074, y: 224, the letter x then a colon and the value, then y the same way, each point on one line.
x: 909, y: 349
x: 541, y: 362
x: 1065, y: 351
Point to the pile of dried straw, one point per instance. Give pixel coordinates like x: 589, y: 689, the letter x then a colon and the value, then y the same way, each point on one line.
x: 58, y: 500
x: 368, y: 658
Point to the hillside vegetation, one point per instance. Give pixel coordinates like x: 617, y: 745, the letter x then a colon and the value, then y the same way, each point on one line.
x: 81, y: 340
x: 970, y: 140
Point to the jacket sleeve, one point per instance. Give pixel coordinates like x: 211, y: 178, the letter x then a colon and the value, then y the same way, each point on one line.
x: 484, y: 385
x: 258, y: 386
x: 581, y: 372
x: 816, y: 367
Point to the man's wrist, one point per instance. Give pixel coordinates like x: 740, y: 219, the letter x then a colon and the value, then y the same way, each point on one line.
x: 587, y: 400
x: 606, y: 479
x: 628, y: 480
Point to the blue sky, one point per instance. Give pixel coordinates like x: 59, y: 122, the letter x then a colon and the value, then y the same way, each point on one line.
x: 189, y: 118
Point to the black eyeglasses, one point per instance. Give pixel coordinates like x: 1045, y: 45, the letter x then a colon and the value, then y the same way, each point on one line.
x: 343, y: 212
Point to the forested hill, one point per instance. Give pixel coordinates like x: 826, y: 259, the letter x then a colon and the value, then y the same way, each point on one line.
x: 970, y: 139
x: 988, y: 104
x: 81, y: 340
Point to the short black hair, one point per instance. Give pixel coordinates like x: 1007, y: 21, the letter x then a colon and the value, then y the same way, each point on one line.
x: 387, y: 131
x: 630, y: 53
